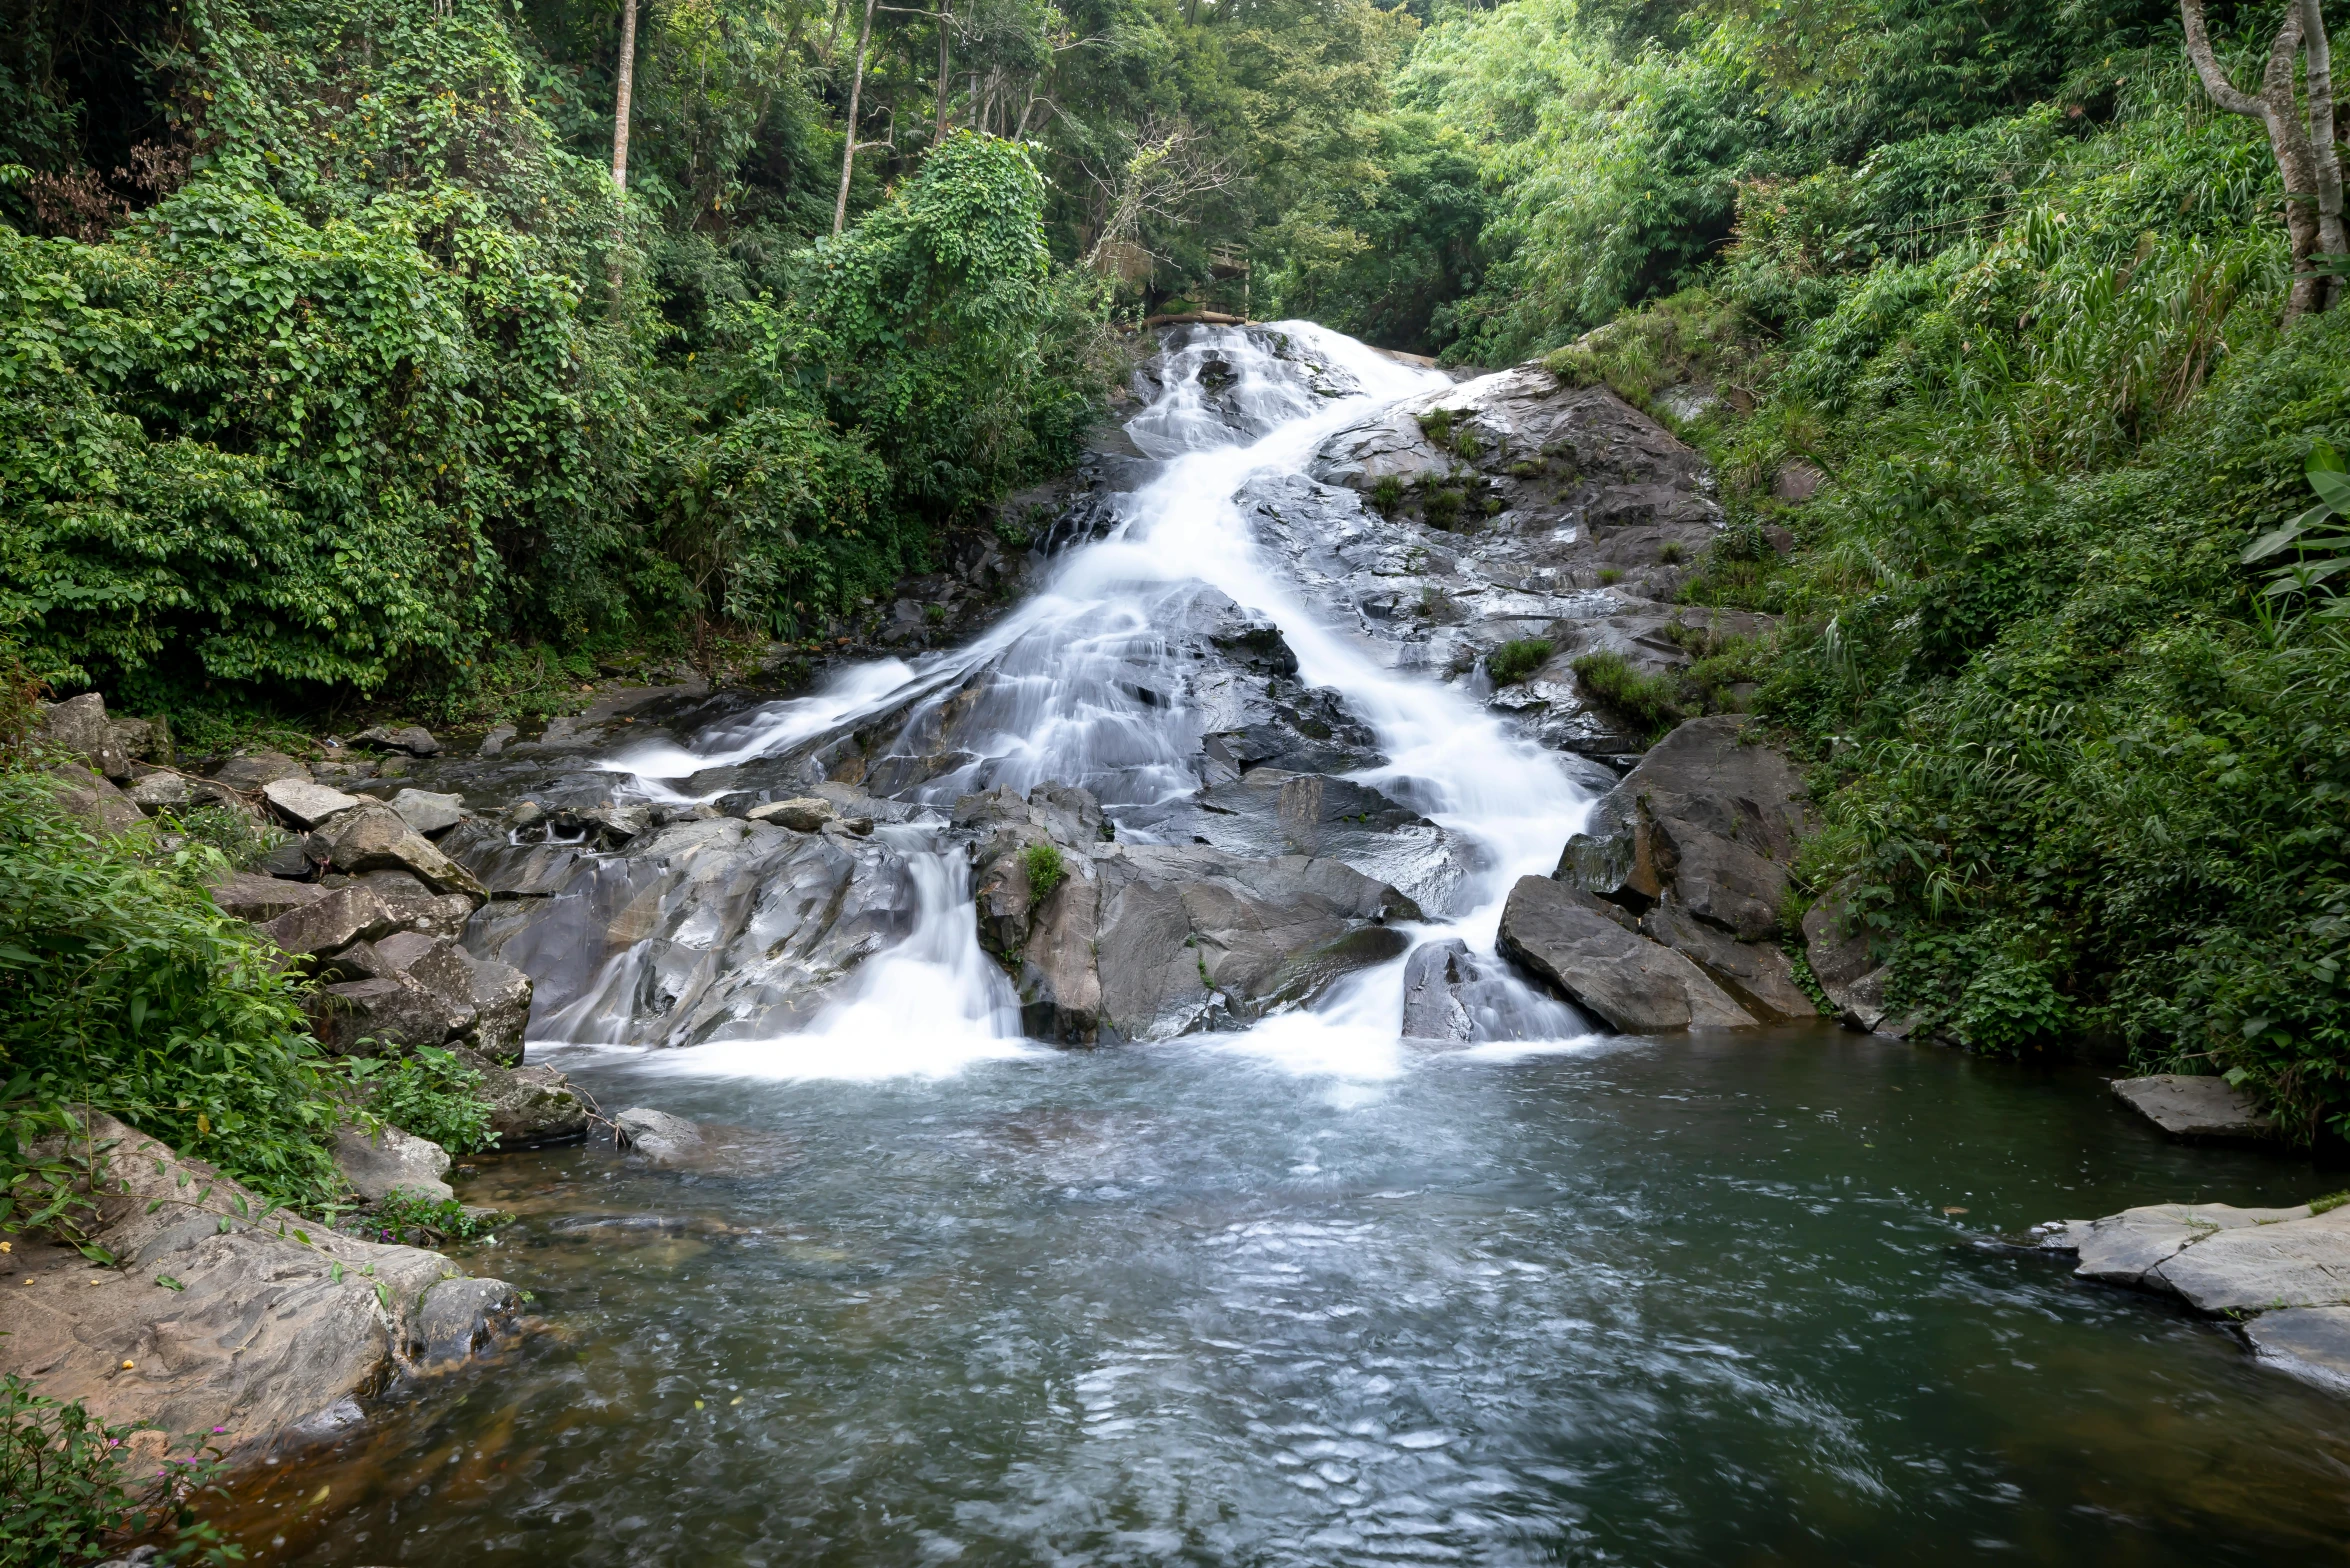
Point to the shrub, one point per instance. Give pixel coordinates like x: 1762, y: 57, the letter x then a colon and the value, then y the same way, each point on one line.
x: 70, y: 1498
x: 414, y: 1221
x: 1512, y: 662
x: 1045, y: 870
x: 1443, y: 507
x: 1387, y: 494
x: 429, y: 1093
x: 1646, y: 703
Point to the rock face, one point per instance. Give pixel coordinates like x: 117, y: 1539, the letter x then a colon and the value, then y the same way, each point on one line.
x: 1147, y: 941
x: 1664, y: 911
x: 387, y: 1160
x: 2192, y: 1107
x: 257, y: 1332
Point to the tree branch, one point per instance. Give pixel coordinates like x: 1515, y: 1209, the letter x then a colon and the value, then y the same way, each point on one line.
x: 2215, y: 81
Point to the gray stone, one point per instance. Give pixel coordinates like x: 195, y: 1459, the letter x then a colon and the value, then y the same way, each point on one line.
x: 248, y: 897
x: 93, y: 798
x: 657, y: 1136
x: 79, y: 726
x: 501, y: 996
x: 417, y: 907
x: 377, y: 1163
x: 495, y: 741
x: 1837, y: 948
x: 267, y: 1334
x: 2124, y: 1248
x: 1454, y: 996
x: 248, y: 771
x: 1569, y: 939
x: 305, y: 804
x: 383, y: 1016
x: 2196, y: 1107
x: 2301, y: 1262
x: 412, y: 739
x: 336, y: 919
x: 428, y: 813
x: 2311, y: 1341
x: 1797, y: 481
x: 1757, y: 975
x: 802, y: 814
x: 530, y: 1107
x: 376, y: 838
x: 160, y: 790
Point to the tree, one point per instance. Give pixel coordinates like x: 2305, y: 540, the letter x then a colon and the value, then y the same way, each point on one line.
x: 2303, y: 142
x: 620, y: 143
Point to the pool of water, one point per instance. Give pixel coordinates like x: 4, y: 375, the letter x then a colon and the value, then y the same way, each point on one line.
x: 1730, y: 1299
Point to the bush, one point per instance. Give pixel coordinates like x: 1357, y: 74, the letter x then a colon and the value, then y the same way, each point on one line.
x: 428, y: 1093
x: 71, y: 1498
x: 1647, y: 704
x: 1512, y: 662
x: 1045, y: 870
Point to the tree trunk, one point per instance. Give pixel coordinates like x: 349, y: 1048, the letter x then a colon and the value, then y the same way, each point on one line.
x: 2278, y: 108
x: 946, y: 16
x: 620, y: 143
x: 848, y: 147
x: 2332, y: 237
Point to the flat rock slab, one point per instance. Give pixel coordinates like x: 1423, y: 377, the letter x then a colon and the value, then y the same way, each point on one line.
x: 2196, y: 1107
x: 303, y: 803
x: 2262, y: 1267
x: 2124, y: 1248
x: 2312, y: 1341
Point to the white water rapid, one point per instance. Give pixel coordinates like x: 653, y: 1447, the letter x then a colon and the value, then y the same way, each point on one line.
x: 1063, y: 704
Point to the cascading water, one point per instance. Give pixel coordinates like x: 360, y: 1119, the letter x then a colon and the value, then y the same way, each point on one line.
x: 1084, y: 685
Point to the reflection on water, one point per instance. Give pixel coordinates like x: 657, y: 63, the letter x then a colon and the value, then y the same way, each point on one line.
x: 1695, y: 1302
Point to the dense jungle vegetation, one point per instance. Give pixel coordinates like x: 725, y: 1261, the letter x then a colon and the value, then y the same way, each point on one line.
x: 339, y: 368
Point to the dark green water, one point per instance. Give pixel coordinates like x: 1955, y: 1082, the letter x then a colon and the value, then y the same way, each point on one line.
x: 1691, y: 1302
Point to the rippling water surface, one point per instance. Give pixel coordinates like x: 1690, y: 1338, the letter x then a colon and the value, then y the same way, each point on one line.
x: 1693, y: 1301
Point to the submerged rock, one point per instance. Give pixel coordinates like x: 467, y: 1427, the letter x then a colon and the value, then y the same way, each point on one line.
x: 225, y: 1322
x: 657, y: 1136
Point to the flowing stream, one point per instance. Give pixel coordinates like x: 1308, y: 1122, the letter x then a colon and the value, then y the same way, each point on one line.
x: 1306, y: 1293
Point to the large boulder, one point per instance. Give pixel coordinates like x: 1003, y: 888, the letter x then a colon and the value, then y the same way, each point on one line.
x: 247, y: 897
x: 1145, y: 941
x: 377, y: 838
x: 249, y: 772
x: 530, y: 1107
x: 334, y: 920
x: 378, y: 1163
x: 262, y: 1330
x: 384, y: 1015
x: 408, y: 739
x: 658, y: 1137
x: 427, y: 812
x: 303, y: 803
x: 92, y: 797
x: 1838, y: 949
x: 79, y: 726
x: 1594, y: 954
x: 2196, y: 1107
x: 417, y: 907
x: 492, y: 996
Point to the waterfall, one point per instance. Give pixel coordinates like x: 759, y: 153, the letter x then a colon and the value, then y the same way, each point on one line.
x: 1082, y: 685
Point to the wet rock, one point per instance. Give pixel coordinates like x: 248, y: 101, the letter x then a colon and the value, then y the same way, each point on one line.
x: 495, y: 741
x: 1147, y: 941
x: 2252, y: 1268
x: 700, y: 930
x: 1589, y: 951
x: 657, y: 1136
x: 304, y: 804
x: 388, y: 1159
x: 335, y: 919
x: 1759, y: 976
x: 2311, y: 1341
x: 530, y: 1107
x: 1454, y: 996
x: 410, y: 739
x: 94, y: 799
x: 376, y: 838
x: 460, y: 1320
x: 501, y: 995
x: 2196, y: 1107
x: 266, y: 1334
x: 249, y: 771
x: 259, y: 899
x: 429, y: 813
x: 802, y: 813
x: 383, y: 1016
x: 609, y: 824
x: 2128, y: 1248
x: 1838, y: 950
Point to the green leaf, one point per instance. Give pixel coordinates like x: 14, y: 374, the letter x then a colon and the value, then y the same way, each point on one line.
x: 168, y: 1283
x: 2333, y: 488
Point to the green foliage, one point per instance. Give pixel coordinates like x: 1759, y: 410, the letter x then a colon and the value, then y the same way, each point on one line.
x: 1512, y: 662
x: 1648, y: 704
x: 413, y: 1221
x: 1045, y: 868
x: 122, y: 987
x: 71, y: 1498
x: 427, y: 1092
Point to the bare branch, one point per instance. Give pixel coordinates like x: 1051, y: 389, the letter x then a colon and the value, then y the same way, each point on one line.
x: 2215, y: 80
